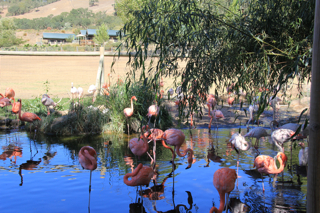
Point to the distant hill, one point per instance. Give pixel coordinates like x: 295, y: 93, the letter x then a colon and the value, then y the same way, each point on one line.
x: 66, y: 6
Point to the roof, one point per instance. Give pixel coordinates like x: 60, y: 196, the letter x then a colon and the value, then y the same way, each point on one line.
x: 57, y: 35
x: 83, y: 32
x: 91, y: 32
x: 113, y: 32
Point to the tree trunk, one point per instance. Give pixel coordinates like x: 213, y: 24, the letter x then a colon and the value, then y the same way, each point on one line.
x: 100, y: 73
x: 313, y: 188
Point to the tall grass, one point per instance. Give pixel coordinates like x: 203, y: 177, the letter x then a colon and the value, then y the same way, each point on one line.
x: 119, y: 99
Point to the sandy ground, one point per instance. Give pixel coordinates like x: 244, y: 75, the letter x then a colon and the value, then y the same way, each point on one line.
x: 27, y: 76
x: 58, y: 7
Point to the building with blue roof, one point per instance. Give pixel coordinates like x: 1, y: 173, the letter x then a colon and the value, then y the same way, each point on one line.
x: 88, y: 35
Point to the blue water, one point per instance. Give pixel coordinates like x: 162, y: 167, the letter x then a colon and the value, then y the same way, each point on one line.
x: 59, y: 184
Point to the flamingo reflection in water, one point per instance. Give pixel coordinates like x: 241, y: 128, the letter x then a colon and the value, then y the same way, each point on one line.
x: 29, y: 165
x: 11, y: 151
x: 155, y: 192
x: 224, y: 181
x: 141, y: 176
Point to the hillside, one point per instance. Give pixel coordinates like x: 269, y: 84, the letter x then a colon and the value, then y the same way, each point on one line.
x: 66, y: 6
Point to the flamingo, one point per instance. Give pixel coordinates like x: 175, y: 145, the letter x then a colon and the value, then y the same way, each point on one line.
x: 281, y: 136
x: 292, y: 126
x: 5, y: 102
x: 153, y: 110
x: 88, y: 160
x: 73, y: 91
x: 252, y: 109
x: 267, y: 164
x: 139, y: 177
x: 80, y: 93
x: 92, y: 89
x: 106, y: 86
x: 224, y: 181
x: 47, y: 101
x: 139, y: 146
x: 239, y: 142
x: 128, y: 112
x: 27, y: 116
x: 9, y: 93
x: 257, y: 132
x: 303, y: 154
x: 175, y: 137
x: 212, y: 101
x: 215, y: 114
x: 230, y: 101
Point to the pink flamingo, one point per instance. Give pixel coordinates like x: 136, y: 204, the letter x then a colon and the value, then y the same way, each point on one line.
x: 139, y: 146
x: 267, y: 164
x: 140, y: 176
x: 128, y: 112
x: 88, y: 160
x: 215, y: 114
x: 230, y: 101
x: 9, y: 93
x: 175, y: 137
x: 27, y: 116
x: 153, y: 110
x: 224, y: 181
x: 212, y: 101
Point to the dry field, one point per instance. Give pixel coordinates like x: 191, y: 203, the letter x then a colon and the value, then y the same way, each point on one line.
x: 27, y: 74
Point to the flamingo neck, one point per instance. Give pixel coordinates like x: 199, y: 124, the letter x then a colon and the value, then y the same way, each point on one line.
x: 131, y: 104
x: 276, y: 170
x: 184, y: 154
x: 20, y: 110
x: 222, y: 202
x: 168, y: 147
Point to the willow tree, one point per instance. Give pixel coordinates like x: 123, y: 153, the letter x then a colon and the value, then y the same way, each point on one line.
x: 264, y: 44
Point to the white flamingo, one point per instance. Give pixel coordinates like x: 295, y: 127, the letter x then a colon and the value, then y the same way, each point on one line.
x: 73, y: 91
x: 92, y: 89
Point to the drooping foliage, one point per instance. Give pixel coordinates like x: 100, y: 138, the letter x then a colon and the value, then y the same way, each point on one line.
x: 264, y: 44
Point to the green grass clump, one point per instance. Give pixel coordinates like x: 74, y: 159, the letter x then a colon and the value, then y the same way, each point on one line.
x: 119, y: 99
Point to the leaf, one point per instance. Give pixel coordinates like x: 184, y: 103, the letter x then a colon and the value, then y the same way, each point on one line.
x: 303, y: 111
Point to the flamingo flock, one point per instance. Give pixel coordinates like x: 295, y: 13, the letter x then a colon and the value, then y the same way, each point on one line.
x: 223, y: 179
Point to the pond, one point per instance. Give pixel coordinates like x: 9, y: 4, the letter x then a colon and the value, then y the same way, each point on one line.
x: 43, y: 174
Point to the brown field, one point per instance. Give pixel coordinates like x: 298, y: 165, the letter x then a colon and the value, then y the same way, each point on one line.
x: 27, y: 74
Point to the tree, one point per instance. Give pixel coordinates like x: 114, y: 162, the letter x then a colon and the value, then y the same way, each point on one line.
x: 7, y: 33
x: 102, y: 35
x: 265, y: 45
x: 125, y: 8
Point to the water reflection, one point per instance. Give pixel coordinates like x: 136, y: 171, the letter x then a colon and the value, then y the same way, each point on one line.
x: 59, y: 178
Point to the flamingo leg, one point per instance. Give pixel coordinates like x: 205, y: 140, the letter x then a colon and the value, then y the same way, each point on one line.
x: 89, y: 191
x: 227, y: 202
x: 210, y: 125
x: 262, y: 183
x: 154, y: 152
x: 128, y: 126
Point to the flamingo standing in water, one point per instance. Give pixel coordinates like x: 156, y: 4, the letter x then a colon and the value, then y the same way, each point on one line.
x: 224, y: 181
x: 212, y: 101
x: 257, y: 133
x: 140, y: 176
x: 267, y: 164
x: 128, y: 112
x: 139, y: 146
x: 214, y: 114
x: 175, y: 137
x: 15, y: 107
x: 281, y: 136
x: 239, y: 142
x: 27, y: 116
x: 88, y: 160
x: 303, y: 154
x: 153, y: 110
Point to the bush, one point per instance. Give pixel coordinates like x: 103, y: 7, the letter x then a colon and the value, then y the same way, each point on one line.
x: 119, y: 99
